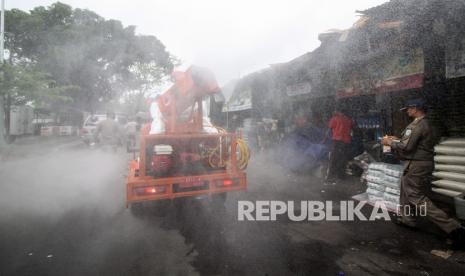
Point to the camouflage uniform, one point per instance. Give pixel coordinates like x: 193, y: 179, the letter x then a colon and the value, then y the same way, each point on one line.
x: 417, y: 148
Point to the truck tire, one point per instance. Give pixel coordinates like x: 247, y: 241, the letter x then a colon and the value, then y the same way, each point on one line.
x: 151, y: 208
x: 160, y: 208
x: 137, y: 209
x: 219, y: 199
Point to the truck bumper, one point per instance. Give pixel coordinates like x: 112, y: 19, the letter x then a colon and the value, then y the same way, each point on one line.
x: 147, y: 188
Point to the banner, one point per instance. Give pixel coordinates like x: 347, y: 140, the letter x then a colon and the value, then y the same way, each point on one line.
x: 390, y: 72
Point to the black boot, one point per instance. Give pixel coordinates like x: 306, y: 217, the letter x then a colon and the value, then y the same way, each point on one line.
x: 411, y: 226
x: 458, y: 238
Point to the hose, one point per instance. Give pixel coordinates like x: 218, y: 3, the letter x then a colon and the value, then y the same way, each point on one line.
x: 243, y: 154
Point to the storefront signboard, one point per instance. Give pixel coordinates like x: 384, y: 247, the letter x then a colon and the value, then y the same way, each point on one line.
x: 240, y: 100
x: 296, y: 89
x: 398, y: 71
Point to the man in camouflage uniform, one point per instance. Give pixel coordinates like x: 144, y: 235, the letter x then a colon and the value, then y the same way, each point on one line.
x: 416, y: 147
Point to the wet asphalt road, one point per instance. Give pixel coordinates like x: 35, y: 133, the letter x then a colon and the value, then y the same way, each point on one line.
x: 62, y: 213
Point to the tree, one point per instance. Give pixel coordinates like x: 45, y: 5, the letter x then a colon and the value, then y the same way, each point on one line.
x: 81, y: 49
x: 77, y: 58
x: 23, y: 83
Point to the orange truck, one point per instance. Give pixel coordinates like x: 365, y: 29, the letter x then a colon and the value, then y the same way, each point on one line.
x: 185, y: 158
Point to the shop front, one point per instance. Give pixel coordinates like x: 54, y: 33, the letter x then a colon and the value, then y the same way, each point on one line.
x: 375, y: 92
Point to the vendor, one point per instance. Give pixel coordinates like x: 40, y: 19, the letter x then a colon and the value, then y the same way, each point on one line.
x: 340, y: 126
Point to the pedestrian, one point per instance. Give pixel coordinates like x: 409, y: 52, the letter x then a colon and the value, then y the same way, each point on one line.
x: 416, y: 147
x: 340, y: 126
x: 108, y: 131
x: 261, y: 136
x: 130, y: 134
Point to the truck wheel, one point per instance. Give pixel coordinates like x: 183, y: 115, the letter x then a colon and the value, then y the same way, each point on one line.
x: 180, y: 207
x: 160, y: 208
x: 218, y: 207
x: 137, y: 209
x: 219, y: 199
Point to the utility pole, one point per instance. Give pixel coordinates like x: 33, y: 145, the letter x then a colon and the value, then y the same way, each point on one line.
x: 2, y: 53
x: 2, y: 31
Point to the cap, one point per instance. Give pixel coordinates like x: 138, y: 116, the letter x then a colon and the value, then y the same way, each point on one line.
x: 418, y: 103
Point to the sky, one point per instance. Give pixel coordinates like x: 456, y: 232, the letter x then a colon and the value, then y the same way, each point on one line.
x: 232, y: 38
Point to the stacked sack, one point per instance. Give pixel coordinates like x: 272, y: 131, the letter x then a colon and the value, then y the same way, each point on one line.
x: 450, y: 167
x: 363, y: 161
x: 383, y: 183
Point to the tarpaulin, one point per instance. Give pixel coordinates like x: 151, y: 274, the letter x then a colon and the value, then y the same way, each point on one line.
x: 301, y: 150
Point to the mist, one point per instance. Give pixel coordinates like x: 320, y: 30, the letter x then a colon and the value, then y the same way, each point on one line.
x: 134, y: 130
x: 231, y: 38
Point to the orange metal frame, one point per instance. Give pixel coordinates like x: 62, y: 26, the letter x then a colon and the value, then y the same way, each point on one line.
x: 188, y: 90
x: 138, y: 178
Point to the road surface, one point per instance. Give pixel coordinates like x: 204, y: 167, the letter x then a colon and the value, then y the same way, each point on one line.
x: 63, y: 213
